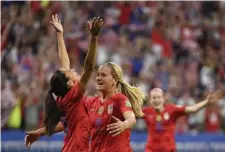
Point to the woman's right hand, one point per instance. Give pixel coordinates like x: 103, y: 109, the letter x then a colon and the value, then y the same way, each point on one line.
x: 95, y: 26
x: 56, y: 23
x: 31, y: 137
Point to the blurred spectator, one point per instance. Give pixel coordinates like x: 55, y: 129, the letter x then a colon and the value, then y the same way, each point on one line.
x: 8, y: 102
x: 212, y: 119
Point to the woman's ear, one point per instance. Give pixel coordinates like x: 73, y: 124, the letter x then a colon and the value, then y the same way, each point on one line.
x: 70, y: 84
x: 116, y: 81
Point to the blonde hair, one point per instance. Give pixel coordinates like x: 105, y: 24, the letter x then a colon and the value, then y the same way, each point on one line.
x: 134, y: 94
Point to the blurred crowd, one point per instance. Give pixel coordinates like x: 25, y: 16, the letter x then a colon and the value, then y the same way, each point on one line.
x: 177, y: 46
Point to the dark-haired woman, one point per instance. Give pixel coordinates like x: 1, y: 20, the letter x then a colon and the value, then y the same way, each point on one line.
x: 69, y: 88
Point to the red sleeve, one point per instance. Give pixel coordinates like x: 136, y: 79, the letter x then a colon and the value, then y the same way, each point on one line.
x: 145, y: 110
x: 71, y: 97
x: 178, y: 111
x: 73, y: 93
x: 87, y: 104
x: 125, y: 105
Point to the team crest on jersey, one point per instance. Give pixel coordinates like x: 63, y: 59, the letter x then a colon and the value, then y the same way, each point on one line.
x: 100, y: 110
x: 110, y: 109
x: 166, y: 116
x: 128, y: 104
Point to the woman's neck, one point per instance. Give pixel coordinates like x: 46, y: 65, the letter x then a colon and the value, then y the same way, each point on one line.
x: 160, y: 109
x: 106, y: 95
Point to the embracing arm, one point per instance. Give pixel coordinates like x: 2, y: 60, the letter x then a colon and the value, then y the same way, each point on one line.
x: 59, y: 127
x: 33, y: 136
x: 120, y: 126
x: 130, y: 119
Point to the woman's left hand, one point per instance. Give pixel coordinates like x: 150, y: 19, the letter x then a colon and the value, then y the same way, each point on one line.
x: 116, y: 128
x: 215, y: 96
x: 95, y: 26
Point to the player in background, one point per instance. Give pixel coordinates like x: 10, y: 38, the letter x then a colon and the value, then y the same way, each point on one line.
x: 112, y: 113
x: 161, y: 119
x: 69, y: 88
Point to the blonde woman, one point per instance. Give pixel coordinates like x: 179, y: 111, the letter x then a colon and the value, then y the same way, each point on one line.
x: 112, y: 113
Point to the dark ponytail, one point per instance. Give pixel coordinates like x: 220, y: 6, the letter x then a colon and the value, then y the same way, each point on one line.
x: 59, y: 87
x: 52, y: 114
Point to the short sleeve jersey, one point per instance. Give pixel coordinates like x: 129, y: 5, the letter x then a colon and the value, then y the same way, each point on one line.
x: 100, y: 114
x: 161, y: 127
x: 73, y: 104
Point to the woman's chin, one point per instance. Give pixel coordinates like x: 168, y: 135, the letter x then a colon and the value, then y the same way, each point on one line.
x: 99, y: 88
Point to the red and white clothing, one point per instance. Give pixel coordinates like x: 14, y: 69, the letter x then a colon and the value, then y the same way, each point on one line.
x: 100, y: 114
x: 161, y: 127
x: 212, y: 119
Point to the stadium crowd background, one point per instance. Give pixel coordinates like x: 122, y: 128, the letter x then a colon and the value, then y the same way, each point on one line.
x: 178, y: 46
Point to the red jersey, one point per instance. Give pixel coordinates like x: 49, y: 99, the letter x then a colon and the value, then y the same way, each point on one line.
x: 76, y: 118
x: 100, y: 114
x: 212, y: 119
x: 161, y: 127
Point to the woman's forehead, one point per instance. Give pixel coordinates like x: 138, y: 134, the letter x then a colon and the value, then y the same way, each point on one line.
x: 63, y: 69
x: 104, y: 68
x: 156, y: 93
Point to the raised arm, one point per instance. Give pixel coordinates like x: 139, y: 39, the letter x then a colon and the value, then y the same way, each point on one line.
x: 63, y: 56
x: 211, y: 98
x: 33, y: 136
x: 90, y: 58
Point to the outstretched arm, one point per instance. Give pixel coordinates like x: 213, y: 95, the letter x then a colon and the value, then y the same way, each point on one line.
x: 63, y: 56
x: 90, y: 58
x: 211, y: 98
x: 33, y: 136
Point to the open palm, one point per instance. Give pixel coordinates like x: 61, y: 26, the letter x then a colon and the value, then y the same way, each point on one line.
x: 95, y: 26
x: 215, y: 96
x: 31, y: 137
x: 56, y: 22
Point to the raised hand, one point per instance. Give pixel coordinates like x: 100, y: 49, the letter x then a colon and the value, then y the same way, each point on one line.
x: 215, y: 96
x: 116, y: 128
x: 95, y: 26
x: 31, y: 137
x: 56, y: 23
